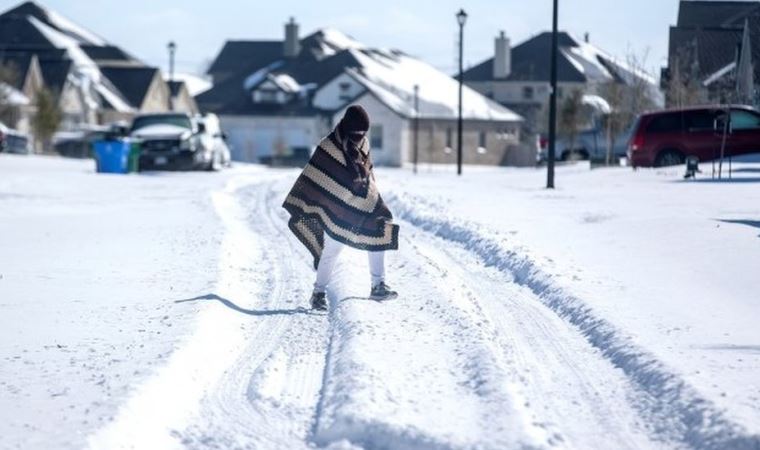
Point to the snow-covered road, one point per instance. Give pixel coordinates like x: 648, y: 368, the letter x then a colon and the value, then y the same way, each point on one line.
x: 482, y: 349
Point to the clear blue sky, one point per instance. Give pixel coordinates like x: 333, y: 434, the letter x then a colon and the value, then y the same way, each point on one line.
x: 426, y: 29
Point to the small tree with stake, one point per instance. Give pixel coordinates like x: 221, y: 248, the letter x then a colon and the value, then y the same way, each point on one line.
x: 614, y: 122
x: 47, y: 119
x: 571, y: 117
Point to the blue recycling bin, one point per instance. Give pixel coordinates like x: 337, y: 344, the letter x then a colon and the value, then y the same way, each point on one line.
x: 112, y: 156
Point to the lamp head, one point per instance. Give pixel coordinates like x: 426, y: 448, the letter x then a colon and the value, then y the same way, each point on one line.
x: 461, y: 17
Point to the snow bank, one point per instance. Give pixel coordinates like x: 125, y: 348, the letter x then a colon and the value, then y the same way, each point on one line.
x: 418, y: 373
x: 687, y: 416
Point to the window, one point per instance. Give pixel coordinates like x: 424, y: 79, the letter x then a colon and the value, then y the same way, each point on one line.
x: 482, y: 139
x: 376, y: 137
x: 528, y: 92
x: 698, y: 121
x: 744, y: 120
x: 345, y: 91
x: 449, y: 137
x: 666, y: 123
x: 265, y: 96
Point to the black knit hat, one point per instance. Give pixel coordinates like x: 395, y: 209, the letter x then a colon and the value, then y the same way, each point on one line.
x: 355, y: 119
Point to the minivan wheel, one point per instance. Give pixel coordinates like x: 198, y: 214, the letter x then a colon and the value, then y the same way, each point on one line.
x: 669, y: 158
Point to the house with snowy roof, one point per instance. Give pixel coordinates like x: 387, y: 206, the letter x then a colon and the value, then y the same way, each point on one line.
x: 712, y: 50
x: 519, y: 77
x: 22, y: 78
x: 280, y: 97
x: 93, y: 80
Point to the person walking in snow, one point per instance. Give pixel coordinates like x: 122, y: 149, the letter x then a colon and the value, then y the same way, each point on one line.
x: 335, y: 202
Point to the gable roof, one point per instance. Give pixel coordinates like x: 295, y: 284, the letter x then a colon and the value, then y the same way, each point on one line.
x: 389, y: 75
x: 55, y: 73
x: 230, y: 96
x: 577, y: 62
x: 132, y: 82
x: 54, y: 20
x: 392, y: 76
x: 108, y: 54
x: 715, y: 14
x: 19, y: 33
x: 531, y: 62
x: 710, y: 33
x: 237, y: 56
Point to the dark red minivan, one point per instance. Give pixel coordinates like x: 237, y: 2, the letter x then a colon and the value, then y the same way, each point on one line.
x: 666, y: 138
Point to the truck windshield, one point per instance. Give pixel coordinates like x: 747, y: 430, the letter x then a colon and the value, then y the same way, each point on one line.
x: 176, y: 120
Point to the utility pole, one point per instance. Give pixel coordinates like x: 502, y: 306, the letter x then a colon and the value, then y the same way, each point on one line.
x: 416, y: 124
x: 461, y: 19
x: 552, y: 105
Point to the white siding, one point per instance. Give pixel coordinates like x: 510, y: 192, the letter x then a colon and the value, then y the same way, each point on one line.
x: 252, y: 137
x: 337, y: 92
x: 396, y: 135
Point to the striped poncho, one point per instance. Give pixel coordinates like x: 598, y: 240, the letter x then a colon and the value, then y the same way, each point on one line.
x: 326, y: 198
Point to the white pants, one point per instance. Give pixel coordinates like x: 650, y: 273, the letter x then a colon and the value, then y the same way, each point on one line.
x: 330, y: 256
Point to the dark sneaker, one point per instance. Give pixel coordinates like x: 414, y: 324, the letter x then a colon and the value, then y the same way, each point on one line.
x: 381, y: 291
x: 318, y: 301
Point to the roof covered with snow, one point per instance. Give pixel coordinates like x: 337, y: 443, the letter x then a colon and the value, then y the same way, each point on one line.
x: 12, y: 95
x: 195, y: 84
x: 70, y: 52
x: 578, y: 61
x: 392, y: 77
x: 389, y: 75
x: 55, y: 21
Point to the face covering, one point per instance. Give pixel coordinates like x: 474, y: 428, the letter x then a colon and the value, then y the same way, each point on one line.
x: 357, y: 160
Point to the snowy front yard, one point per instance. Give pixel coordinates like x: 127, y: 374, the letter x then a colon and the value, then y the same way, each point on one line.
x: 169, y: 310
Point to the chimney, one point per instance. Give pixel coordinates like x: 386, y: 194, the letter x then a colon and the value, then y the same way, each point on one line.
x: 292, y: 44
x: 587, y: 37
x: 502, y: 61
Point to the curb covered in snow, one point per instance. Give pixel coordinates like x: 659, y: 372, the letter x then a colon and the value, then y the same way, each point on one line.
x: 684, y: 415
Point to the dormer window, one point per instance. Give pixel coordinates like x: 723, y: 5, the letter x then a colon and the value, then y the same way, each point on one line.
x: 264, y: 95
x: 345, y: 91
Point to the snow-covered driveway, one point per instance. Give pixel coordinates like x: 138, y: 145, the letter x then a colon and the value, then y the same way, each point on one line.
x: 482, y: 350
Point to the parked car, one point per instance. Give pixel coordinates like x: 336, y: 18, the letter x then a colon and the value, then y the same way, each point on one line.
x: 590, y: 144
x: 78, y: 144
x: 174, y: 141
x: 13, y: 141
x: 666, y: 138
x: 217, y: 137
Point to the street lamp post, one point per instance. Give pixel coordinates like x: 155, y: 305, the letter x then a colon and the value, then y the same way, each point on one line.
x: 461, y: 19
x: 552, y: 105
x: 416, y: 124
x: 172, y: 48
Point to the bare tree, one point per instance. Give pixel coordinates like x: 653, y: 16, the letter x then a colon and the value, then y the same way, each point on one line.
x: 683, y: 87
x: 628, y: 96
x: 571, y: 118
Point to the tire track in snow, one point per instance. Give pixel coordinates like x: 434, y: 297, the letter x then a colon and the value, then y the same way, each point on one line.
x: 268, y: 397
x: 239, y: 381
x: 572, y: 390
x: 419, y: 372
x: 684, y: 417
